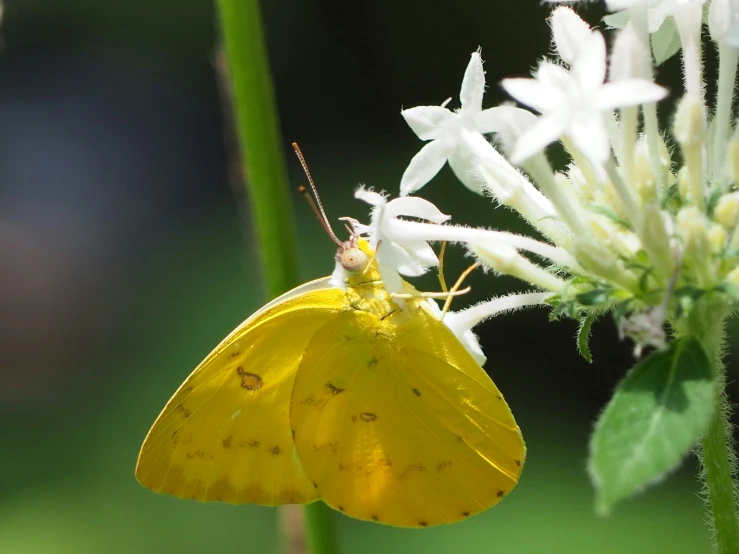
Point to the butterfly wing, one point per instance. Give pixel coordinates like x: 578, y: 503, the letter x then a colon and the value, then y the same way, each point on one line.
x: 397, y: 423
x: 225, y: 434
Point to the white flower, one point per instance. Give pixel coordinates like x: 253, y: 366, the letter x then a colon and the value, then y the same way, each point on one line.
x: 569, y: 33
x: 443, y: 128
x: 396, y: 254
x: 723, y: 21
x: 573, y: 103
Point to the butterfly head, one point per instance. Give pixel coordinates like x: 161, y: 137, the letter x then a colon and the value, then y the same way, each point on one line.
x: 354, y: 255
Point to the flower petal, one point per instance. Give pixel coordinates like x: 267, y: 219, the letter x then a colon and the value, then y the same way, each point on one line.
x: 489, y: 121
x: 424, y: 166
x: 428, y: 122
x: 590, y: 136
x: 533, y: 93
x: 629, y: 92
x: 370, y: 196
x: 589, y: 68
x: 546, y: 130
x: 473, y: 85
x: 413, y: 206
x: 462, y: 162
x: 390, y: 254
x: 391, y: 279
x: 569, y: 33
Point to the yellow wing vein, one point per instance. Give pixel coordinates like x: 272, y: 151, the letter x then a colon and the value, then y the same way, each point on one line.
x: 513, y: 477
x: 343, y: 414
x: 487, y: 416
x: 446, y: 362
x: 213, y: 466
x: 408, y: 435
x: 454, y: 453
x: 174, y: 423
x: 199, y: 426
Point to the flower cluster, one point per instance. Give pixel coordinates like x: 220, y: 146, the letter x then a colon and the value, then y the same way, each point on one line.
x: 641, y: 223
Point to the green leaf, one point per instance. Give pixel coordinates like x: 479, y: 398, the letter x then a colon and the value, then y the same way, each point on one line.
x: 594, y: 297
x: 686, y: 297
x: 617, y: 20
x: 583, y: 336
x: 657, y: 414
x: 665, y: 41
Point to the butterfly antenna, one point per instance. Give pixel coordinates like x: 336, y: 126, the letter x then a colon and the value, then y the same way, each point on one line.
x: 316, y: 204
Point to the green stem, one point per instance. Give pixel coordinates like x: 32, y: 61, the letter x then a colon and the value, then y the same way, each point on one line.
x: 719, y: 471
x: 321, y: 537
x: 717, y: 449
x: 259, y: 140
x: 266, y: 178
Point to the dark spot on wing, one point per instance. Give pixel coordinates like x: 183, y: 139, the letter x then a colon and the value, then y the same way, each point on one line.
x: 410, y: 469
x: 227, y: 441
x: 332, y: 446
x: 501, y: 494
x: 443, y: 465
x: 315, y: 485
x: 499, y: 397
x: 375, y: 517
x: 423, y: 523
x: 465, y: 514
x: 332, y: 389
x: 354, y: 418
x: 518, y: 463
x: 341, y: 508
x: 275, y: 451
x: 367, y: 416
x: 417, y: 392
x: 233, y: 354
x: 348, y: 338
x: 372, y: 363
x: 253, y: 443
x: 249, y: 381
x: 187, y: 413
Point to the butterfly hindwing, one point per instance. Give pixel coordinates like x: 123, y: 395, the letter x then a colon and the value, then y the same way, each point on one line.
x: 225, y: 434
x: 396, y: 422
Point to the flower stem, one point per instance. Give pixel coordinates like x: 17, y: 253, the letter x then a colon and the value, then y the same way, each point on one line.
x: 719, y: 471
x: 266, y: 178
x: 728, y: 58
x: 321, y: 537
x: 259, y: 141
x: 717, y: 449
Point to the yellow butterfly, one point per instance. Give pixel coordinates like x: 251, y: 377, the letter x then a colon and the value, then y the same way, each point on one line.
x: 343, y: 394
x: 339, y: 395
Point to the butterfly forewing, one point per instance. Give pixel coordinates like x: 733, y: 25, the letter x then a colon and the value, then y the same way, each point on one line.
x: 225, y: 434
x: 396, y: 422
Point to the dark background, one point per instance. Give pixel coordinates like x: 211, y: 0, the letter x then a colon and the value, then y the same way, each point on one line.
x: 126, y: 255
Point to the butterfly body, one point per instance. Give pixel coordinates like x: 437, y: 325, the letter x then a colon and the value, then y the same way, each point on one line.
x: 344, y: 396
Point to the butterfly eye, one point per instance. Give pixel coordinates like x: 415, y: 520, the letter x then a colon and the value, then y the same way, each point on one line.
x: 353, y: 259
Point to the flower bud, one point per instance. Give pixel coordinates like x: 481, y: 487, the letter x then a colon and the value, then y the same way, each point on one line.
x: 717, y: 237
x: 656, y: 241
x: 693, y: 227
x: 506, y: 260
x: 604, y: 263
x: 690, y: 121
x: 726, y: 212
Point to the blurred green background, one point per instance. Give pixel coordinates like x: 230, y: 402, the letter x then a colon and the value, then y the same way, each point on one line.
x: 126, y: 255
